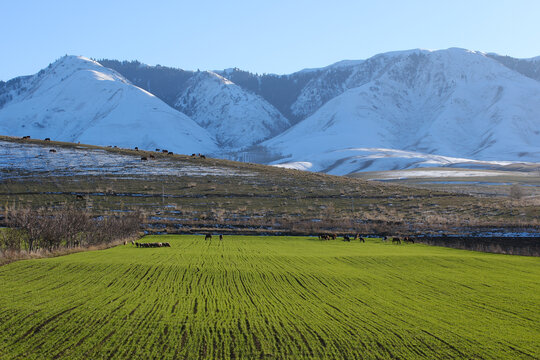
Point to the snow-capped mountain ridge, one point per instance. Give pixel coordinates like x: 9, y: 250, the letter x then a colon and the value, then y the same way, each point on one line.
x: 451, y: 103
x: 454, y: 102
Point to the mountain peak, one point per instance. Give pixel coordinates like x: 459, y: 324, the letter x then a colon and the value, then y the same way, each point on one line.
x: 235, y: 116
x: 210, y: 75
x: 77, y: 99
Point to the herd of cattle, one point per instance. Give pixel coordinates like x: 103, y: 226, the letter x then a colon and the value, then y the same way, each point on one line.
x: 394, y: 239
x: 136, y: 148
x: 148, y: 245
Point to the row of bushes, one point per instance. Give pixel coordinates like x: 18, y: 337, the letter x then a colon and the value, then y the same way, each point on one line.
x: 45, y: 229
x: 525, y: 246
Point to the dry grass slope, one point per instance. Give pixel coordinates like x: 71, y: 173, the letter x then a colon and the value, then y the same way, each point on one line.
x: 265, y: 199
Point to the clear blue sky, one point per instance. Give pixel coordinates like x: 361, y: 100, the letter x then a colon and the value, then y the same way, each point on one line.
x: 274, y: 36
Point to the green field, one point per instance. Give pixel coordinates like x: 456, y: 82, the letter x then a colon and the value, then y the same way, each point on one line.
x: 271, y: 298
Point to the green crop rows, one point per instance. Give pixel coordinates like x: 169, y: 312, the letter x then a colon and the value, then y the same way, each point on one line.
x: 271, y: 298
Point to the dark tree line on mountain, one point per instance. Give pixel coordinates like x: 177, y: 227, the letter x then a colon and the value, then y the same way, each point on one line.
x: 164, y: 82
x: 45, y: 229
x: 167, y: 83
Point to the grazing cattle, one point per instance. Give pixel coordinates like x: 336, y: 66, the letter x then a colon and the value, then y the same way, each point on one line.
x: 334, y: 236
x: 52, y: 150
x: 192, y: 155
x: 158, y: 150
x: 362, y: 240
x: 137, y: 148
x: 79, y: 197
x: 125, y: 242
x: 385, y: 238
x: 26, y: 137
x: 144, y: 158
x: 208, y: 237
x: 164, y: 151
x: 170, y: 153
x: 396, y: 240
x: 408, y: 240
x: 116, y: 147
x: 152, y: 156
x: 203, y: 157
x: 132, y: 242
x: 47, y: 139
x: 152, y: 245
x: 346, y: 238
x: 220, y: 236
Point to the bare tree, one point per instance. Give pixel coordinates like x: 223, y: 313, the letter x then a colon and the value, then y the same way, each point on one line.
x: 516, y: 192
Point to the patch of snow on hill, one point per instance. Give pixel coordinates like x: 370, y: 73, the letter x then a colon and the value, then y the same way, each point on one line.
x: 27, y: 160
x: 352, y: 160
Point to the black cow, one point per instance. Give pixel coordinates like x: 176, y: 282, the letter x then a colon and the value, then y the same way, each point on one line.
x: 208, y: 237
x: 408, y: 240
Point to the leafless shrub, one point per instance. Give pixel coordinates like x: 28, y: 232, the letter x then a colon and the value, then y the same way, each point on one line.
x: 50, y: 230
x: 516, y: 192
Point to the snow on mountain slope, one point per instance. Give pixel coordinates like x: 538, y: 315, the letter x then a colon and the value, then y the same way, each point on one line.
x: 77, y: 99
x: 335, y: 79
x: 453, y: 102
x: 354, y: 160
x: 233, y: 115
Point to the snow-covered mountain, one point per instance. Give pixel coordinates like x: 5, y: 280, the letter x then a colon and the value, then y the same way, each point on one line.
x: 392, y: 111
x: 453, y: 102
x: 77, y: 99
x: 235, y: 117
